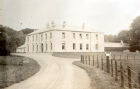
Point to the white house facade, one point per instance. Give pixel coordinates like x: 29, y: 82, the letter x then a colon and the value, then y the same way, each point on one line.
x: 64, y: 39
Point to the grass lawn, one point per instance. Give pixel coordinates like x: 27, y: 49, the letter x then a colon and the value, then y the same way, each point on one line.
x: 14, y: 69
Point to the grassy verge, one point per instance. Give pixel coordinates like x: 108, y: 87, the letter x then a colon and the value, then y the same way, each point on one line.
x: 99, y: 79
x: 14, y: 69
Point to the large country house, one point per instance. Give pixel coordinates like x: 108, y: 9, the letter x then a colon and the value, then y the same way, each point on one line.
x: 63, y: 39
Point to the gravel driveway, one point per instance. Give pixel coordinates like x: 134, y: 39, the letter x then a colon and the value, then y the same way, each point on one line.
x: 55, y: 73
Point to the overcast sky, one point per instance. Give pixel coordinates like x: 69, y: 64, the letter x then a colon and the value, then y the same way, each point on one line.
x: 109, y: 16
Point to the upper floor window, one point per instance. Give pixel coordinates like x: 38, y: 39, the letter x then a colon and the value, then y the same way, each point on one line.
x: 80, y: 46
x: 74, y: 46
x: 41, y: 36
x: 63, y: 35
x: 63, y: 46
x: 33, y: 37
x: 96, y: 46
x: 96, y: 36
x: 50, y: 35
x: 87, y: 46
x: 74, y: 35
x: 87, y: 36
x: 80, y: 35
x: 46, y: 47
x: 28, y: 38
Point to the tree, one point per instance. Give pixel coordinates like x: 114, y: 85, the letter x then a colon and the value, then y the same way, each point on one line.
x: 135, y: 34
x: 111, y: 38
x: 11, y: 39
x: 3, y: 49
x: 124, y: 35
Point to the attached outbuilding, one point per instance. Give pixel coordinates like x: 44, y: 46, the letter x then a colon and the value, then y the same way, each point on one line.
x: 21, y: 49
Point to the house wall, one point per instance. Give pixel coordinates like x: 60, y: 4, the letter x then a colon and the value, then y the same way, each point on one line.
x: 69, y: 40
x: 40, y: 43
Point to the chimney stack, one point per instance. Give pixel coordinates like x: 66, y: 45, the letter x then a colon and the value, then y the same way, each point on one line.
x: 53, y: 24
x: 48, y: 26
x: 83, y: 26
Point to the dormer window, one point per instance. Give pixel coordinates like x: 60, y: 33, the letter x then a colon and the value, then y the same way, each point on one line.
x: 63, y: 35
x: 87, y: 36
x: 96, y: 36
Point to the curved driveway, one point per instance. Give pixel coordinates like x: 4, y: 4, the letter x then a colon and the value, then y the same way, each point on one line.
x: 55, y: 73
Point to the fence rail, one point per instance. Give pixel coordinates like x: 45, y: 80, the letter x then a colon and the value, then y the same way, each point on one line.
x: 116, y: 68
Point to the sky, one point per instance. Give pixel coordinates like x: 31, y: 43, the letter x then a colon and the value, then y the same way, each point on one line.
x: 108, y: 16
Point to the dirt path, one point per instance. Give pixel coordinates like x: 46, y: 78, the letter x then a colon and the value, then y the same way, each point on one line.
x: 55, y: 73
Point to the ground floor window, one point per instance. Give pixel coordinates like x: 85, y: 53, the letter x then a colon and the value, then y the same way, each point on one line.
x: 42, y: 48
x: 33, y: 48
x: 51, y: 46
x: 87, y: 46
x: 63, y: 46
x: 46, y: 47
x: 74, y: 46
x: 96, y: 46
x: 80, y: 46
x: 28, y: 48
x: 37, y: 48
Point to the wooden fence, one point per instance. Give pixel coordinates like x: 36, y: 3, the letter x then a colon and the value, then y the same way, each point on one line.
x: 122, y: 73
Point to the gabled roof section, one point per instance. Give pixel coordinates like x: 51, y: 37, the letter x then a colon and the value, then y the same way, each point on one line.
x: 22, y: 46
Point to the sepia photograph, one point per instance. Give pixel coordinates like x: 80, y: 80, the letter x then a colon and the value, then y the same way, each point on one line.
x: 69, y: 44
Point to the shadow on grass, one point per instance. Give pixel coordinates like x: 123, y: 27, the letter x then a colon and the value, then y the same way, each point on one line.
x: 14, y: 69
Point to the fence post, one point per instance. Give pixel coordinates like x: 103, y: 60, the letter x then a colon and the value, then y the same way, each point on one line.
x: 122, y: 75
x: 108, y: 64
x: 86, y: 59
x: 129, y: 77
x: 116, y: 71
x: 89, y: 59
x: 128, y: 60
x: 93, y: 60
x: 81, y: 58
x: 120, y: 58
x: 139, y: 79
x: 127, y: 57
x: 111, y: 67
x: 97, y: 62
x: 102, y: 62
